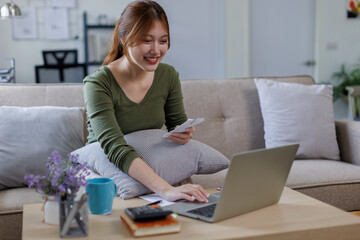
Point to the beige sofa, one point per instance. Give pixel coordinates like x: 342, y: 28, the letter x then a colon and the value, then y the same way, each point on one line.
x: 233, y: 124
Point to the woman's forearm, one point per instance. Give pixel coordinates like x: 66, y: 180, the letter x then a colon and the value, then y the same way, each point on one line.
x: 143, y: 173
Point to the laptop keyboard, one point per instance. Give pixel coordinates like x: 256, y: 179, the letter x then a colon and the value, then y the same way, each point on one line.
x: 207, y: 211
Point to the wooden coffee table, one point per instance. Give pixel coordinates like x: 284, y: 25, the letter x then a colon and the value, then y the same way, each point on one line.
x: 296, y: 216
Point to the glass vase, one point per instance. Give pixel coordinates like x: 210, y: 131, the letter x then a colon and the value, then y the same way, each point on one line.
x: 74, y: 217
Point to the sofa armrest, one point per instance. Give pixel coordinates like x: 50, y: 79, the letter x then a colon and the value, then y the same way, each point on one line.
x: 348, y: 137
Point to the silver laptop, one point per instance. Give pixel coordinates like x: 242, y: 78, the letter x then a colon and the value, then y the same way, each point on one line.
x: 254, y: 180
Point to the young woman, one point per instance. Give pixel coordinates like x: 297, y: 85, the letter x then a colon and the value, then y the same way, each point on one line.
x: 133, y: 91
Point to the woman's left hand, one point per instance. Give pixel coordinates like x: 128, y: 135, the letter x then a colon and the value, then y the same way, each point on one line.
x: 183, y: 137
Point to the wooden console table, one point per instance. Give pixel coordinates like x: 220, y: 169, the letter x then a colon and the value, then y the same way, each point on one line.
x: 297, y: 216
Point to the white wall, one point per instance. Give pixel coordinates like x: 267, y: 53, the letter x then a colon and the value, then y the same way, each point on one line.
x: 198, y: 44
x: 281, y: 40
x: 237, y: 36
x: 337, y: 42
x: 27, y: 53
x: 338, y: 37
x: 332, y: 29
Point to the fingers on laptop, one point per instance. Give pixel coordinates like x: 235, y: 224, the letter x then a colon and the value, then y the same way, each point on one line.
x: 194, y: 192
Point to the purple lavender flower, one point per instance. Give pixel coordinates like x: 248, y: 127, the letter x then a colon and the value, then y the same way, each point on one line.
x: 61, y: 188
x: 65, y: 176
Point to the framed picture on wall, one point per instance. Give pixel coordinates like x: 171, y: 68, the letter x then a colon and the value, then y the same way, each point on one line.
x: 353, y: 8
x: 24, y: 27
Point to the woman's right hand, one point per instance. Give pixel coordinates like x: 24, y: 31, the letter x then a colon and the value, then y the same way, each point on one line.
x: 184, y: 137
x: 189, y: 192
x: 140, y: 171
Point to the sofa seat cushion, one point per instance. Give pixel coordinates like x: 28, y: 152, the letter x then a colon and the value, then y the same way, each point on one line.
x: 303, y: 174
x: 12, y: 200
x: 334, y: 182
x: 320, y: 172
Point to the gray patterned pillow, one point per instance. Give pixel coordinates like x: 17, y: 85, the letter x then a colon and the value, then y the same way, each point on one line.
x: 171, y: 161
x: 30, y: 134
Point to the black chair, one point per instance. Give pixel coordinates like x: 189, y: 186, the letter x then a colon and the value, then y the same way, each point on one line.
x: 60, y: 66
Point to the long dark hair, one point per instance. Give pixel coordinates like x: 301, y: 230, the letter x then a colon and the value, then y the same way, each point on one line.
x: 134, y: 23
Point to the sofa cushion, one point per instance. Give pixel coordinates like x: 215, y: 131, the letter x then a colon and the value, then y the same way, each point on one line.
x: 296, y: 113
x: 12, y: 200
x: 320, y: 172
x: 334, y: 182
x: 30, y: 134
x: 210, y: 180
x: 338, y: 195
x: 171, y: 161
x: 231, y: 108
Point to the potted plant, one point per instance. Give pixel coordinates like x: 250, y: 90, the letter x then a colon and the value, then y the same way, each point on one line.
x: 63, y: 180
x: 347, y: 76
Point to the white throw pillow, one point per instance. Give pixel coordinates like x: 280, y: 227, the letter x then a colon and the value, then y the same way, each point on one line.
x: 171, y: 161
x: 297, y: 113
x: 30, y: 134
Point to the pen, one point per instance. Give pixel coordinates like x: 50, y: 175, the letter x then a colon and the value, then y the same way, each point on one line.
x: 155, y: 202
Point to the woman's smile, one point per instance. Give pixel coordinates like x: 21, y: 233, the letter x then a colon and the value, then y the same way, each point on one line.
x: 151, y: 60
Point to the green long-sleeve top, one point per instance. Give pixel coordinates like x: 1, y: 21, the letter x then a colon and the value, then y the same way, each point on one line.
x: 111, y: 114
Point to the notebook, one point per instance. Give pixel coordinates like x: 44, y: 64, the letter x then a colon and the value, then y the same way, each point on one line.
x: 254, y: 180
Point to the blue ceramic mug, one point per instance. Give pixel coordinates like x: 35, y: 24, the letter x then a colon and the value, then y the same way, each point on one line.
x: 101, y: 195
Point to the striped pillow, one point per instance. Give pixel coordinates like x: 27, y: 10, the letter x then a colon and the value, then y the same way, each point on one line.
x: 171, y: 161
